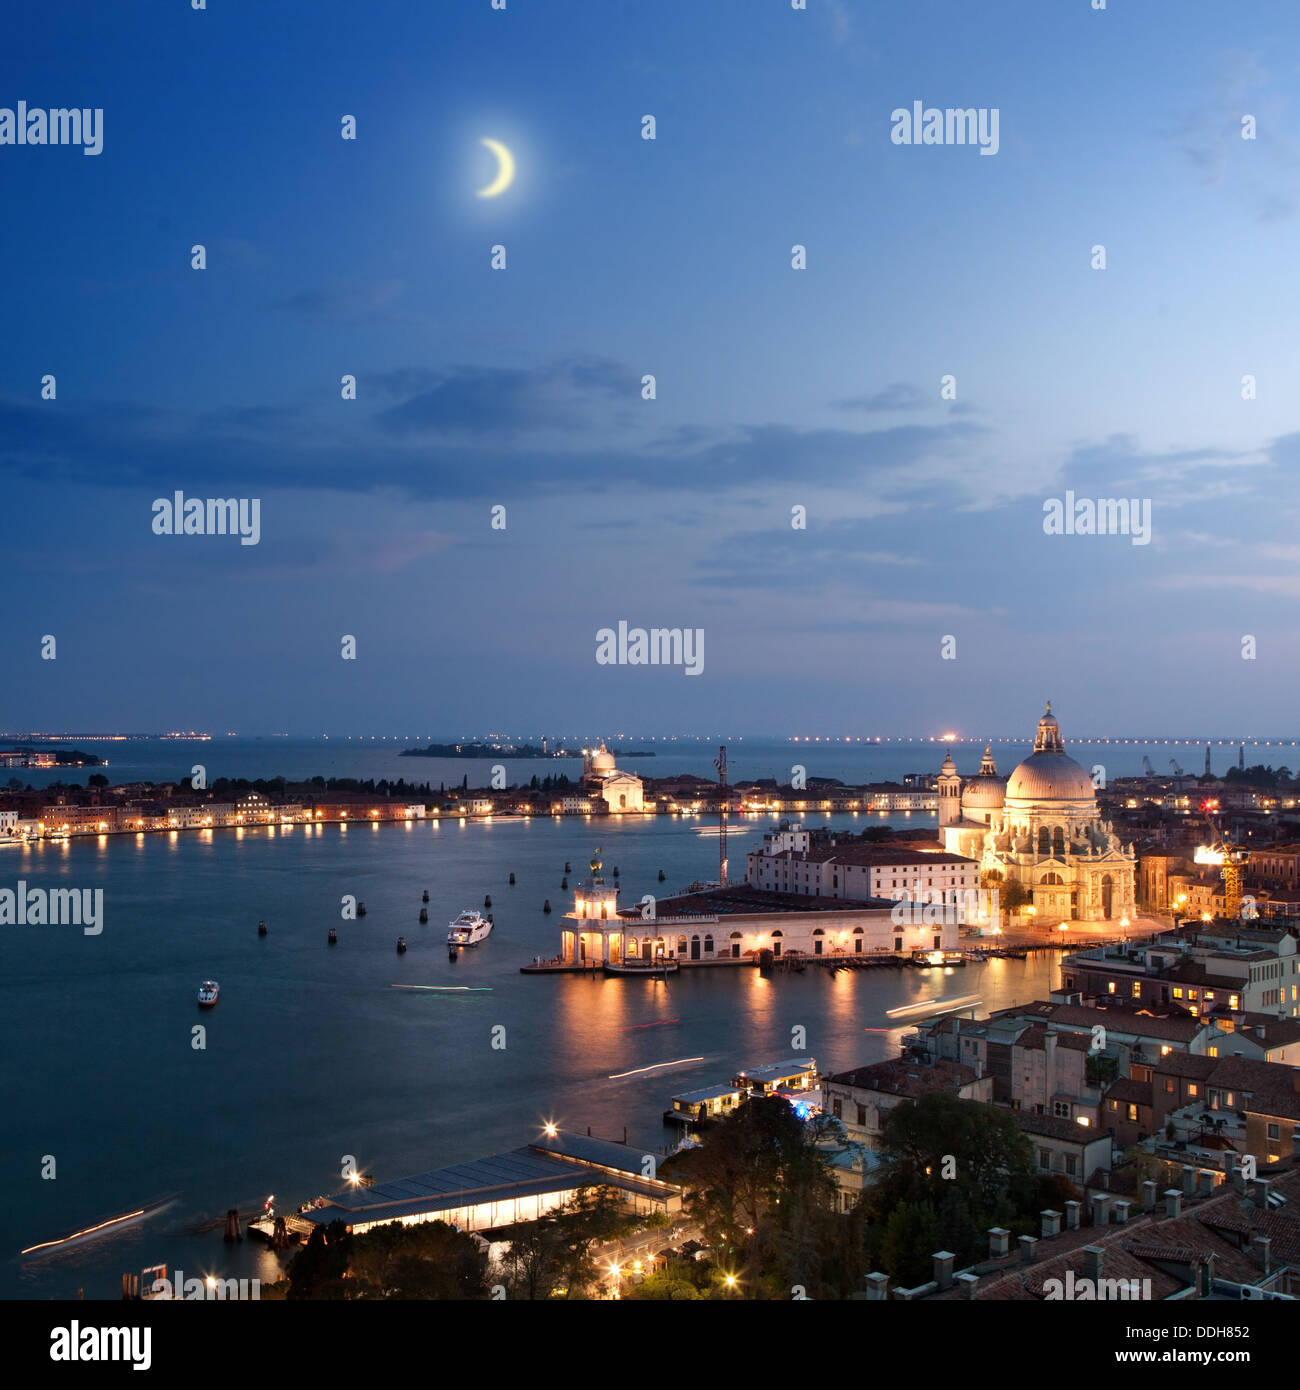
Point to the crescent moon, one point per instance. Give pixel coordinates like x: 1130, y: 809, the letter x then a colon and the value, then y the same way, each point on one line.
x: 505, y: 169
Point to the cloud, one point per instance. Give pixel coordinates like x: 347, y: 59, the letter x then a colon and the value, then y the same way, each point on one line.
x: 342, y: 300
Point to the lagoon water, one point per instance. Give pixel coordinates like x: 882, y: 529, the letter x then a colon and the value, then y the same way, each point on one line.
x: 311, y: 1054
x: 156, y: 759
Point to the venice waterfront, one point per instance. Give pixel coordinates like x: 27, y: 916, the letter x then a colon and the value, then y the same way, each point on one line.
x: 311, y: 1054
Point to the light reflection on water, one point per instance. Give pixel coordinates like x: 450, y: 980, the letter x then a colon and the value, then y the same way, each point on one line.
x: 311, y: 1055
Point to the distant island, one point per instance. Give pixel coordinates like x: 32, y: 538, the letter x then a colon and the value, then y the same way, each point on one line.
x: 505, y: 750
x: 27, y: 755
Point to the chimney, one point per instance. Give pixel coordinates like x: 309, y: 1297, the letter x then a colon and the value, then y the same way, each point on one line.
x: 877, y: 1287
x: 999, y: 1242
x: 1051, y: 1223
x: 968, y: 1283
x: 1259, y: 1249
x: 1092, y: 1263
x: 1028, y: 1244
x: 1189, y: 1180
x: 1100, y: 1208
x: 943, y: 1263
x: 1205, y: 1179
x: 1072, y: 1210
x: 1122, y: 1205
x: 1149, y: 1196
x: 1263, y: 1186
x: 1173, y: 1203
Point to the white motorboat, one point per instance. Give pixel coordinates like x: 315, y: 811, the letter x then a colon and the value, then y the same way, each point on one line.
x: 208, y: 992
x: 469, y: 929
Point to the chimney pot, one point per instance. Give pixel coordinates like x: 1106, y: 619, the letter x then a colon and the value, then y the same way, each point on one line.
x: 1259, y: 1249
x: 1100, y: 1208
x: 999, y: 1242
x: 968, y: 1283
x: 1263, y: 1186
x: 1173, y: 1203
x: 1205, y: 1179
x: 1092, y: 1255
x: 1189, y: 1180
x: 943, y: 1263
x: 1051, y: 1223
x: 1072, y: 1209
x: 1122, y: 1205
x: 1149, y: 1195
x: 877, y: 1286
x: 1028, y: 1244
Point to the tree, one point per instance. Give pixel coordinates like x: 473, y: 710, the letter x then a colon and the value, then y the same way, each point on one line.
x: 97, y: 779
x: 431, y: 1260
x: 672, y: 1283
x: 907, y: 1243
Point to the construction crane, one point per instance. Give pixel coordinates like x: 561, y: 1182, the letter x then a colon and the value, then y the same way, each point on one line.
x: 1230, y: 858
x: 1146, y: 763
x: 1178, y: 772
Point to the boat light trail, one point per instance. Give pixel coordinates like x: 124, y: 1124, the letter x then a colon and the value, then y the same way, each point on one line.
x: 659, y: 1024
x: 449, y: 989
x: 90, y: 1230
x: 654, y: 1066
x: 934, y: 1006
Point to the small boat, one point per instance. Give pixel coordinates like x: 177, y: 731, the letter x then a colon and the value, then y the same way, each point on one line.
x: 401, y: 945
x: 208, y: 992
x: 361, y: 909
x: 469, y: 929
x: 261, y: 929
x: 334, y: 936
x: 424, y: 915
x: 425, y: 898
x: 662, y: 965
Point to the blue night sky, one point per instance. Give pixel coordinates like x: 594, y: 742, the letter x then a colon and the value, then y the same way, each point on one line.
x: 776, y: 387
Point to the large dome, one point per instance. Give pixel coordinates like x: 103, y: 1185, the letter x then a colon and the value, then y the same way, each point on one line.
x: 1050, y: 777
x: 1048, y: 773
x: 602, y: 760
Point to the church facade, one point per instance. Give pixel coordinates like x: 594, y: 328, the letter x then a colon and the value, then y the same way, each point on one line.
x: 1040, y: 828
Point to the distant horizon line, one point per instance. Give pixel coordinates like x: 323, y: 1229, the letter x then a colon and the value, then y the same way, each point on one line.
x: 809, y: 740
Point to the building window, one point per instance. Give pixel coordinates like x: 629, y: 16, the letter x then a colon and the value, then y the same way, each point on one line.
x: 1169, y: 1086
x: 1133, y: 1112
x: 837, y: 1109
x: 1274, y: 1132
x: 1193, y: 1089
x: 1045, y: 1158
x: 862, y: 1114
x: 1070, y: 1164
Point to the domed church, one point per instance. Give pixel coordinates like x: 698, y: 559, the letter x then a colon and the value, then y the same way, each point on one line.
x: 1040, y: 828
x: 621, y: 791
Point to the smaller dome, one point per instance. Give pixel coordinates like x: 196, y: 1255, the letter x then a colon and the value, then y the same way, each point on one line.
x: 949, y: 768
x: 984, y: 793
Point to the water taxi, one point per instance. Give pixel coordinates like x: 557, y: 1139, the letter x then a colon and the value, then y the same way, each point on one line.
x: 208, y: 992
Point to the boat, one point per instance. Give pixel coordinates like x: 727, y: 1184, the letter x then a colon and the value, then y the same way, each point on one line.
x: 208, y: 992
x: 401, y: 944
x: 469, y: 929
x: 925, y: 960
x: 660, y: 966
